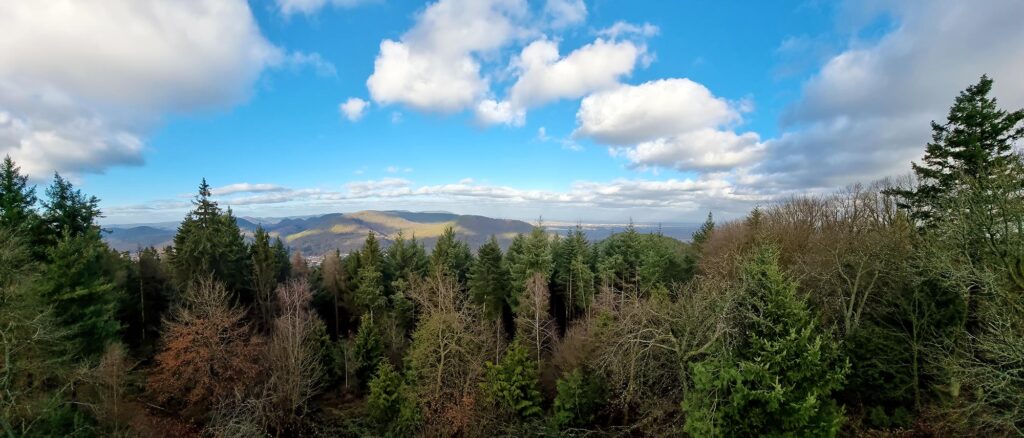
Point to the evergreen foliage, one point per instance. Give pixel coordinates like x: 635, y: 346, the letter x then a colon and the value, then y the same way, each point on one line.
x: 779, y: 379
x: 512, y: 383
x: 210, y: 244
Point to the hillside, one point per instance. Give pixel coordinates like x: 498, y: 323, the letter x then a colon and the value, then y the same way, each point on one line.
x: 320, y: 234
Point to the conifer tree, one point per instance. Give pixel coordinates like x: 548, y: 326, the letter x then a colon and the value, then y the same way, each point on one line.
x: 451, y: 256
x: 489, y: 284
x: 404, y: 261
x: 370, y: 294
x: 779, y: 378
x: 973, y: 148
x: 68, y: 212
x: 703, y: 233
x: 572, y: 272
x: 17, y: 198
x: 84, y: 298
x: 209, y: 243
x: 267, y: 273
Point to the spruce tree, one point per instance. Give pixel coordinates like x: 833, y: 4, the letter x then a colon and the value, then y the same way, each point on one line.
x: 210, y: 244
x: 779, y: 378
x: 370, y: 293
x: 573, y: 275
x: 68, y: 212
x: 451, y: 256
x: 84, y: 298
x: 703, y: 233
x: 489, y: 284
x: 17, y: 198
x: 972, y: 149
x: 267, y: 273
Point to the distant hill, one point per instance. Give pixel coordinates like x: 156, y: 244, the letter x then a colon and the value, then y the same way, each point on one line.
x: 320, y: 234
x: 317, y: 235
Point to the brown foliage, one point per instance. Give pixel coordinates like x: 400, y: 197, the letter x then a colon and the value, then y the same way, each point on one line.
x: 209, y: 353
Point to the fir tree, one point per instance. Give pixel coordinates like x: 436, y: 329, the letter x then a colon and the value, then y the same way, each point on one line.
x: 267, y: 273
x: 209, y: 243
x: 573, y: 275
x: 68, y: 212
x: 451, y: 256
x: 489, y: 284
x: 779, y: 379
x: 703, y: 233
x: 17, y: 198
x: 85, y: 300
x: 973, y: 148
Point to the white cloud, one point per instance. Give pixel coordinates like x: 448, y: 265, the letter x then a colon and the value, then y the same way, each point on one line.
x: 309, y: 7
x: 704, y: 149
x: 247, y: 188
x: 396, y: 169
x: 81, y: 85
x: 353, y: 109
x: 563, y: 13
x: 491, y: 112
x: 434, y: 66
x: 545, y: 77
x: 622, y: 29
x: 635, y: 113
x: 673, y: 123
x: 866, y: 113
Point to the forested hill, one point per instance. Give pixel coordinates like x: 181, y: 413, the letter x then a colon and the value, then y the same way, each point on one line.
x: 343, y: 231
x: 346, y: 232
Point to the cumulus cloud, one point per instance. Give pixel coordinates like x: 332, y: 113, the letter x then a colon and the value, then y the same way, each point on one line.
x: 704, y: 149
x: 309, y: 7
x: 434, y: 66
x: 81, y: 85
x: 671, y: 123
x: 353, y: 108
x: 634, y: 113
x: 866, y: 113
x: 544, y: 76
x: 492, y: 112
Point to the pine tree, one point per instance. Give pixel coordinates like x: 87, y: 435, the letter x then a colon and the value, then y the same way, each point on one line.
x: 209, y: 243
x: 489, y: 285
x: 404, y: 261
x: 973, y: 148
x: 572, y: 272
x: 488, y: 280
x: 68, y: 212
x: 779, y: 379
x: 451, y: 256
x: 513, y: 384
x: 267, y: 273
x: 84, y: 298
x: 703, y: 233
x: 17, y: 198
x: 370, y: 293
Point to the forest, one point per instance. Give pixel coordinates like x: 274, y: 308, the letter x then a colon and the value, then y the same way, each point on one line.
x: 891, y: 308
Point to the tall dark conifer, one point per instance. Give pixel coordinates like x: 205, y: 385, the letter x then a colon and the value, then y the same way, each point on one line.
x: 971, y: 150
x: 209, y: 243
x: 17, y: 198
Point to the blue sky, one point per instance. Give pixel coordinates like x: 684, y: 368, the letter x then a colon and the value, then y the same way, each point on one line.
x: 573, y: 110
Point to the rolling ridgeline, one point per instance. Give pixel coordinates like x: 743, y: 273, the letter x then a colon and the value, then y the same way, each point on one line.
x: 889, y: 309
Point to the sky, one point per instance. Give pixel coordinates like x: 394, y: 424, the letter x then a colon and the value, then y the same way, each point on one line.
x: 576, y: 110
